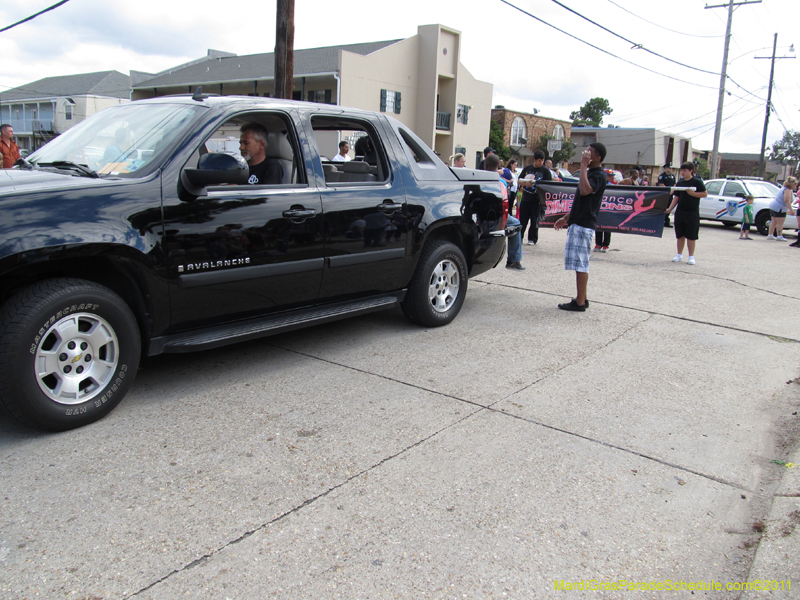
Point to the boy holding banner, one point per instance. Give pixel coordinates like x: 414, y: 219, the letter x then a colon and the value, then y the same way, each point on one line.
x: 582, y: 221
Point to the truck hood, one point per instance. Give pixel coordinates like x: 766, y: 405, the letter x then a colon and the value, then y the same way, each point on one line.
x: 18, y: 180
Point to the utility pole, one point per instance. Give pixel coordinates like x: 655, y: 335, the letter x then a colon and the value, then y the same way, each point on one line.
x: 769, y: 103
x: 723, y: 76
x: 284, y: 49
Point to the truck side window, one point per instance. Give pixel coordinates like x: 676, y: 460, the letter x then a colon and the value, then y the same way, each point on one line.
x: 280, y: 149
x: 350, y: 150
x: 425, y: 164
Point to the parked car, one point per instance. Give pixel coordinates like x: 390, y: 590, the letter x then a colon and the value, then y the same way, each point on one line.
x: 166, y: 248
x: 567, y: 177
x: 726, y: 198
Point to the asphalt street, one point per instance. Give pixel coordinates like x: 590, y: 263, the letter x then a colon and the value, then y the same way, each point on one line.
x: 521, y: 452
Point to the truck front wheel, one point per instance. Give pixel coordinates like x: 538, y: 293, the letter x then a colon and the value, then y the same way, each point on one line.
x: 69, y: 351
x: 439, y: 285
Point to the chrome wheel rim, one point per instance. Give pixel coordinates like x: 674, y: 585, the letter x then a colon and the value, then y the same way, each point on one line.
x: 444, y: 285
x: 76, y: 358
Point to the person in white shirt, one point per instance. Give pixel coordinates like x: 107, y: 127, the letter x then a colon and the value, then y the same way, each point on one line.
x: 344, y: 148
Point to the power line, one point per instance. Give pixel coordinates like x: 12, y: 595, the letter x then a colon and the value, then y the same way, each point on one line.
x: 602, y: 50
x: 661, y: 26
x: 752, y: 108
x: 636, y: 46
x: 41, y: 12
x: 744, y: 89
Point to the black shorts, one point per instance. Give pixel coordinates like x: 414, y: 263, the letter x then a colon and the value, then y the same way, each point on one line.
x: 745, y: 226
x: 776, y: 213
x: 687, y: 225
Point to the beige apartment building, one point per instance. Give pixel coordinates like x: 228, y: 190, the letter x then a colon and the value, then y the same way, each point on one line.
x: 41, y: 110
x: 419, y: 80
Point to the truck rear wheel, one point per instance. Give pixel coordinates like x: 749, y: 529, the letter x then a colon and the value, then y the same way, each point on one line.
x: 439, y: 285
x: 69, y: 351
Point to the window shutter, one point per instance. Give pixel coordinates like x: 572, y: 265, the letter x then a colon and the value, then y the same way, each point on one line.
x: 327, y: 96
x: 466, y: 114
x: 310, y: 95
x: 397, y: 103
x: 383, y: 100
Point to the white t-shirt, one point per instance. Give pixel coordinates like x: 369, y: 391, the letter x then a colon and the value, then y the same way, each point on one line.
x: 340, y: 158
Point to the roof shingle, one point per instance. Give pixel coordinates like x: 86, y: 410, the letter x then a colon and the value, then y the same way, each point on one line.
x: 259, y: 66
x: 112, y: 84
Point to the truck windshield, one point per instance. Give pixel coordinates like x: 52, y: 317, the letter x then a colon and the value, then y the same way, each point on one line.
x: 119, y: 141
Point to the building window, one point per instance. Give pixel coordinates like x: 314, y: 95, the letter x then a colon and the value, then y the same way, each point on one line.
x: 518, y: 132
x: 460, y: 150
x: 390, y: 101
x: 462, y: 114
x: 558, y: 132
x: 319, y: 96
x: 68, y: 111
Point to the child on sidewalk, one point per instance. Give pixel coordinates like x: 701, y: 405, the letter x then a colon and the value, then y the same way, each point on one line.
x: 747, y: 218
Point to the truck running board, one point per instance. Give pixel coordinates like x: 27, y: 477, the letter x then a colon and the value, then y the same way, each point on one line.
x: 222, y: 335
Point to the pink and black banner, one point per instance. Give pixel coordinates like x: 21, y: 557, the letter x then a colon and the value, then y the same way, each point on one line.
x: 625, y: 209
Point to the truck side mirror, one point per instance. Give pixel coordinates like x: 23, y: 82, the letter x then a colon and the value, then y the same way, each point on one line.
x: 215, y: 168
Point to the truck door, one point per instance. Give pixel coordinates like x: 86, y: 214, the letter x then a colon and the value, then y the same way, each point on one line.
x: 365, y: 223
x: 246, y: 250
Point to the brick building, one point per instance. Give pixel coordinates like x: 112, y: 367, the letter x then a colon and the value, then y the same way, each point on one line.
x: 522, y: 131
x: 746, y: 165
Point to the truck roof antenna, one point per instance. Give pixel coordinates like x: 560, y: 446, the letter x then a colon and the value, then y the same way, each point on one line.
x: 198, y: 94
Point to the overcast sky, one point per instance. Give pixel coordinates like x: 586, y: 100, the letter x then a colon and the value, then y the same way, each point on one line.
x: 530, y: 64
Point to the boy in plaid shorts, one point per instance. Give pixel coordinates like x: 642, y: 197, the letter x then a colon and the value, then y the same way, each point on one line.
x: 582, y: 221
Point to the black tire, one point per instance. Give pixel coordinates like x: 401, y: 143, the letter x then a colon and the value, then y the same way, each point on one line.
x: 762, y: 222
x: 70, y: 351
x: 439, y: 285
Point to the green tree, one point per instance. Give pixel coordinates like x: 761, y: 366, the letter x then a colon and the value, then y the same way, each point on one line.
x: 565, y: 154
x: 702, y: 168
x: 591, y: 114
x: 787, y: 149
x: 496, y: 141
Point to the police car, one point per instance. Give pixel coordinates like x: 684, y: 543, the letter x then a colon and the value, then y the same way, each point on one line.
x: 725, y: 202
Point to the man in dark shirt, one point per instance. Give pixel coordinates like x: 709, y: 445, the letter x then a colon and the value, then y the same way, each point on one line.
x: 486, y: 152
x: 667, y: 178
x: 253, y: 146
x: 687, y: 215
x: 529, y: 208
x: 582, y: 221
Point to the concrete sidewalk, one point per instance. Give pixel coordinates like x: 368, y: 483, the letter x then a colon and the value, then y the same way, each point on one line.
x: 519, y: 452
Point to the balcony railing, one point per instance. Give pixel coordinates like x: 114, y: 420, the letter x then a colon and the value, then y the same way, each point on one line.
x: 22, y: 126
x: 443, y: 120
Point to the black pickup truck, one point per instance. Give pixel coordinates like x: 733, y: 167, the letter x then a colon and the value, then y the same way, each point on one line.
x: 137, y: 232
